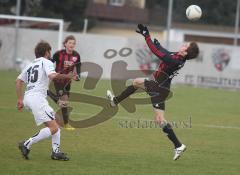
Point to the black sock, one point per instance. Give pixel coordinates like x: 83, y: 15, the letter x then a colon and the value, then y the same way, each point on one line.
x: 171, y: 135
x: 65, y: 115
x: 126, y: 93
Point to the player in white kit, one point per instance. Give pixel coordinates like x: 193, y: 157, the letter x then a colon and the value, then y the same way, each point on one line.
x: 36, y: 76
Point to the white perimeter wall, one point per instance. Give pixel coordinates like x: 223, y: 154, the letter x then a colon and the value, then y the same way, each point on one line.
x: 201, y: 72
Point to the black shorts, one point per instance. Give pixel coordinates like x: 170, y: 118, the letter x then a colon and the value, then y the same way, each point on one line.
x: 159, y: 92
x: 62, y: 88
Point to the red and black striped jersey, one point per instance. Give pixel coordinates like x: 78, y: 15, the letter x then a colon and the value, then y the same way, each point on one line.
x: 65, y: 62
x: 171, y: 61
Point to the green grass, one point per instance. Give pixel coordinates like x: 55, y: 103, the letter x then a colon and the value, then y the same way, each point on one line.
x: 213, y: 141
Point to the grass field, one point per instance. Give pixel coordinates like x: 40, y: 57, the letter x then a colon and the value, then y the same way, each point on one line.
x: 108, y: 148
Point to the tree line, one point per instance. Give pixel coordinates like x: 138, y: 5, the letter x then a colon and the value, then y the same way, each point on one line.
x: 215, y: 12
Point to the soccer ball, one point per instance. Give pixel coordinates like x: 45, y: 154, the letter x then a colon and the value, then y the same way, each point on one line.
x: 193, y: 12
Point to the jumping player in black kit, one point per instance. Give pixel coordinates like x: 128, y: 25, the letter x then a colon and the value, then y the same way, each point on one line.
x: 158, y: 86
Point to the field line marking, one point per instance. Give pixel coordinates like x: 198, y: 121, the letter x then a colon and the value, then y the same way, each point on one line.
x: 119, y: 117
x: 217, y: 126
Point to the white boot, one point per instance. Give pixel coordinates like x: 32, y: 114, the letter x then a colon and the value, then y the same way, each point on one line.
x: 110, y: 96
x: 179, y: 151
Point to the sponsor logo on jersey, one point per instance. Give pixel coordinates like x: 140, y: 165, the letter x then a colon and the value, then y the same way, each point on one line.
x: 74, y: 59
x: 68, y: 63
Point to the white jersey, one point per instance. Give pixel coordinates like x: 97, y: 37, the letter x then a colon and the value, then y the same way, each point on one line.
x: 35, y: 75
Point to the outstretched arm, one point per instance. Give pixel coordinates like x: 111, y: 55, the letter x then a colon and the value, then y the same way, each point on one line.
x: 161, y: 53
x: 160, y: 47
x: 58, y: 76
x: 153, y: 48
x: 164, y: 55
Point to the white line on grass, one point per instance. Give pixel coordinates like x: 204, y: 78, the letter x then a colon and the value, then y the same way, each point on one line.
x: 118, y: 117
x: 217, y: 126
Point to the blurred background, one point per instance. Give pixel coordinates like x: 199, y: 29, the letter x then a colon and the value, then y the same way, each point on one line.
x: 104, y: 28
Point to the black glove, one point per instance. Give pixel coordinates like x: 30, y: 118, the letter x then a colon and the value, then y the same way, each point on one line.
x: 156, y: 43
x: 143, y: 30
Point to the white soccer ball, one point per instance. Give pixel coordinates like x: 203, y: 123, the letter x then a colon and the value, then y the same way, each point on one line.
x: 193, y: 12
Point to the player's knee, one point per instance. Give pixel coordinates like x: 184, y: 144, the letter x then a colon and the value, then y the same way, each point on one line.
x: 159, y: 116
x: 64, y: 98
x: 54, y: 128
x: 136, y: 83
x: 160, y: 119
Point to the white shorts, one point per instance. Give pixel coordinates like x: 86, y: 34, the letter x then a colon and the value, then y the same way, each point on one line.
x: 40, y: 108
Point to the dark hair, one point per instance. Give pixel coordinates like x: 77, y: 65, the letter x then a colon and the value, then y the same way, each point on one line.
x: 192, y: 51
x: 41, y: 48
x: 69, y: 37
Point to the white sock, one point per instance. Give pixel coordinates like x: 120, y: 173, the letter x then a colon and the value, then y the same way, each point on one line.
x: 42, y: 134
x: 56, y: 141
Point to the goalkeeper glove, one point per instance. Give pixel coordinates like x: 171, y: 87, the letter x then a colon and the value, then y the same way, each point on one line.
x: 143, y: 30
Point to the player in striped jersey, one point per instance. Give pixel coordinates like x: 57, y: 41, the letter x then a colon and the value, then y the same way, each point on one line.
x: 66, y: 60
x: 158, y: 86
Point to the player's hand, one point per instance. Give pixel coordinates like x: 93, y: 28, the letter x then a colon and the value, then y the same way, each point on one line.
x: 71, y: 75
x: 20, y: 105
x: 143, y: 30
x: 77, y: 77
